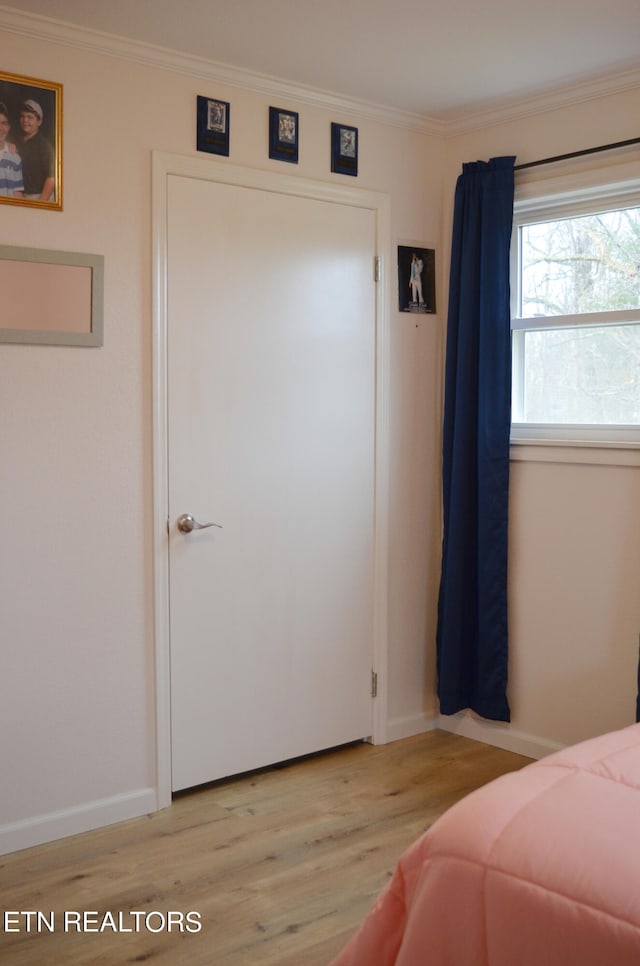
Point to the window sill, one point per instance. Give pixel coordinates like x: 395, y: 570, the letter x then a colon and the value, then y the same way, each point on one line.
x: 580, y: 451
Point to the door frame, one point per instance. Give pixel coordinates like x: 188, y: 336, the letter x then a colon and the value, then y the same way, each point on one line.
x: 163, y: 166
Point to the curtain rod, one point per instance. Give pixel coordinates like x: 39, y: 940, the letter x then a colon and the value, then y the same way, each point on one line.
x: 577, y: 154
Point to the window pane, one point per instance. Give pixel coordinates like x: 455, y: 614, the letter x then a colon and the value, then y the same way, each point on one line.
x: 582, y: 375
x: 585, y: 264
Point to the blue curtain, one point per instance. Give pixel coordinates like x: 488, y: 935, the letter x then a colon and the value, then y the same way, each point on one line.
x: 472, y: 641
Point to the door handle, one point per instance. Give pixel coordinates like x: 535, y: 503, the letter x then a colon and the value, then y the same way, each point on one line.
x: 186, y: 523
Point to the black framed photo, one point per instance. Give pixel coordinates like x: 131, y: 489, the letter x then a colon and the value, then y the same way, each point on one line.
x: 344, y: 149
x: 416, y: 279
x: 213, y: 126
x: 283, y: 135
x: 30, y: 142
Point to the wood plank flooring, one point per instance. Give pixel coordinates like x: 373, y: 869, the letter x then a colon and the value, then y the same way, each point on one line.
x: 280, y: 865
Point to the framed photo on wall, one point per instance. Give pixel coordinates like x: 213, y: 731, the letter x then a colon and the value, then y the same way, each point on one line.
x: 344, y: 149
x: 416, y: 279
x: 213, y: 119
x: 283, y: 135
x: 30, y: 142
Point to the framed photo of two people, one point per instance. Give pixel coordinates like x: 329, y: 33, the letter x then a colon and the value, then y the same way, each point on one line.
x: 30, y: 142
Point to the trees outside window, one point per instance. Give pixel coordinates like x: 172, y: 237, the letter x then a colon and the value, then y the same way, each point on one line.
x: 576, y: 329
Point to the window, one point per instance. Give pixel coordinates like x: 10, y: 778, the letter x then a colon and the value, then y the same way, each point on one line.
x: 576, y: 319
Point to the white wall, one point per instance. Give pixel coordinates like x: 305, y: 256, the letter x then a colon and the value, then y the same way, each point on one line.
x: 574, y: 570
x: 77, y: 688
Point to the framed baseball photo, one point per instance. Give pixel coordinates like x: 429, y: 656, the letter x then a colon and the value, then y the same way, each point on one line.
x: 283, y: 135
x: 416, y: 279
x: 344, y: 149
x: 213, y: 119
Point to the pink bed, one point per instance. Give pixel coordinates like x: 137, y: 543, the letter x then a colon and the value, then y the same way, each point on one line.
x: 538, y: 868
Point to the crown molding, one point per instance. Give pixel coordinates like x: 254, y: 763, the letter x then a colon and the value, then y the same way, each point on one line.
x: 150, y: 55
x: 447, y: 125
x: 502, y: 112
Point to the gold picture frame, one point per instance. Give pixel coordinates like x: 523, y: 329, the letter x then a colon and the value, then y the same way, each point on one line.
x: 30, y: 142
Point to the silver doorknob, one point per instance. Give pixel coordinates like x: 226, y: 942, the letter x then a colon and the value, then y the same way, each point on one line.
x: 186, y: 523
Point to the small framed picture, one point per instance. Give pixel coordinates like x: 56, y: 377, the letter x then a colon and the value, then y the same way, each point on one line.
x: 283, y: 135
x: 416, y: 279
x: 344, y: 149
x: 213, y: 126
x: 51, y: 297
x: 30, y: 142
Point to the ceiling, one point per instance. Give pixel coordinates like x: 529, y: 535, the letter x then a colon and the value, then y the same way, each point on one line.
x: 437, y: 60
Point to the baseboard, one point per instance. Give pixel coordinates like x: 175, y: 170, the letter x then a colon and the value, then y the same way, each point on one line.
x: 120, y: 808
x: 410, y: 725
x: 499, y: 734
x: 72, y: 821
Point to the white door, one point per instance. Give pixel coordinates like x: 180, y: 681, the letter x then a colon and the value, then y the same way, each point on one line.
x: 271, y: 406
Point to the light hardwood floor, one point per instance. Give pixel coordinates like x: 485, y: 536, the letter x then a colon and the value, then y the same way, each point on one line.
x: 280, y: 865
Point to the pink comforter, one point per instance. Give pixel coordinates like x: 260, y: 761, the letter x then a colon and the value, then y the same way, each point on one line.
x: 538, y: 868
